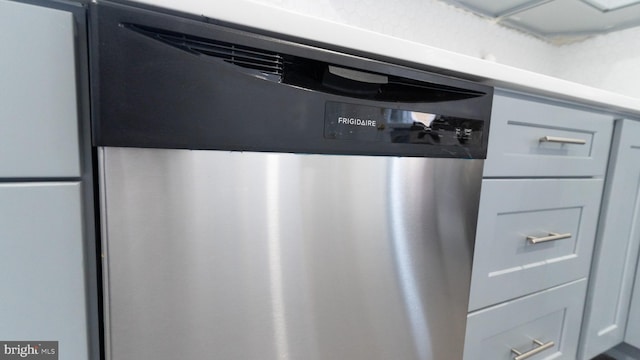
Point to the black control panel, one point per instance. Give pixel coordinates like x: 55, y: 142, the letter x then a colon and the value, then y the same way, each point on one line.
x: 377, y: 124
x: 160, y: 80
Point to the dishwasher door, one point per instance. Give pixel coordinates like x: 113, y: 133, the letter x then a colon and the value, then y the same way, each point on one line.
x: 246, y: 255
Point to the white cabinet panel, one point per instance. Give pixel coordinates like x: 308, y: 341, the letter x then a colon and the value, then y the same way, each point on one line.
x: 42, y: 296
x: 617, y: 244
x: 38, y: 100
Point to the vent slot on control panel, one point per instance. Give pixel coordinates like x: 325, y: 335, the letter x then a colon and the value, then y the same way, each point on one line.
x: 247, y: 57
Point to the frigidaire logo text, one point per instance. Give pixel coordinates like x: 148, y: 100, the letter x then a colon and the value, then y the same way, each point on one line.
x: 356, y: 121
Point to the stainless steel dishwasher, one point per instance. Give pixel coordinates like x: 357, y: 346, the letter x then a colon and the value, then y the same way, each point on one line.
x: 264, y: 198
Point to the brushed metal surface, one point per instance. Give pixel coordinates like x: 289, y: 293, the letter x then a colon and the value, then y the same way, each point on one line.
x: 240, y: 255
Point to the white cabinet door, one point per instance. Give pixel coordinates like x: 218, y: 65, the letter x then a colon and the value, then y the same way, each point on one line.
x: 42, y: 292
x: 616, y: 250
x: 38, y: 99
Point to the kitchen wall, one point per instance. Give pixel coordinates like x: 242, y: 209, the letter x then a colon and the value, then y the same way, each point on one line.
x: 610, y: 62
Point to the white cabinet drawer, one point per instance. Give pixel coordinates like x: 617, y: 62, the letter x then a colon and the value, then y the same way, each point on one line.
x: 578, y: 140
x: 38, y: 99
x: 552, y: 315
x: 507, y: 263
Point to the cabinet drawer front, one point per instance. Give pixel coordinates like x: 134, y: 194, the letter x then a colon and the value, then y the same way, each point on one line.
x: 529, y: 138
x: 38, y: 104
x: 532, y: 235
x: 552, y: 315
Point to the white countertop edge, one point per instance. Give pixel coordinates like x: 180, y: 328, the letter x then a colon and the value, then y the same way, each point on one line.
x: 261, y: 16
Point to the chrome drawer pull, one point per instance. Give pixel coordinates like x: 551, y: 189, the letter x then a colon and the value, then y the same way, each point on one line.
x: 536, y: 350
x: 551, y: 237
x: 562, y: 140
